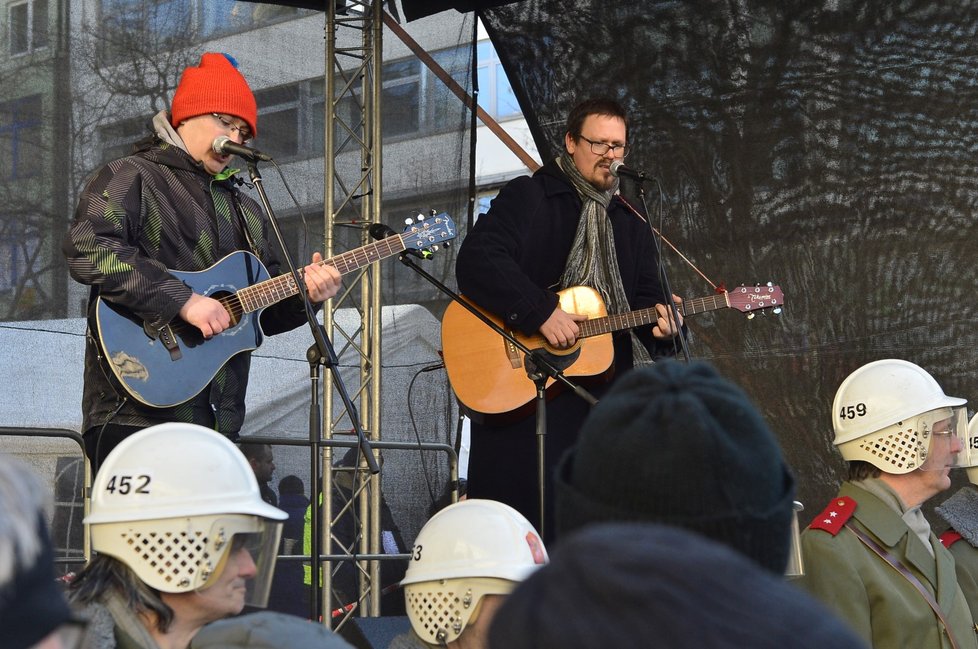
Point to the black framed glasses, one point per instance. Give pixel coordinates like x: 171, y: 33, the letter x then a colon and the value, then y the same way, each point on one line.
x: 602, y: 148
x: 233, y: 128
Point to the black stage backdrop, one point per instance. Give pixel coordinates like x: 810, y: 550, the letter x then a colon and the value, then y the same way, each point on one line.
x: 826, y: 147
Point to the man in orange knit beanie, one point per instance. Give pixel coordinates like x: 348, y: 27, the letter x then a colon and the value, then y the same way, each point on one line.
x: 173, y: 206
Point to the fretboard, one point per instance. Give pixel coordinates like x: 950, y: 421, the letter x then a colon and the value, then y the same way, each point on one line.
x: 606, y: 324
x: 276, y: 289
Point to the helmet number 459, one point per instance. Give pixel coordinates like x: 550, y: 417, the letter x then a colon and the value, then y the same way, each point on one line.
x: 851, y: 412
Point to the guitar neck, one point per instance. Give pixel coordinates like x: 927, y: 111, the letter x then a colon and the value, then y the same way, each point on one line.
x: 632, y: 319
x: 276, y: 289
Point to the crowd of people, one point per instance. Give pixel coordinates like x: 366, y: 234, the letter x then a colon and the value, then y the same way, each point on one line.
x: 670, y: 504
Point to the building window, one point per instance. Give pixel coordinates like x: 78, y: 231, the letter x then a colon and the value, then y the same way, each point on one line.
x: 19, y: 245
x: 28, y: 24
x: 444, y: 109
x: 20, y: 138
x: 117, y: 139
x: 496, y: 95
x: 132, y: 26
x: 401, y: 98
x: 222, y: 17
x: 278, y: 120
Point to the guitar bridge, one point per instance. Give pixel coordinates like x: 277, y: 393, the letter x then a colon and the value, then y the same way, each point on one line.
x: 170, y: 343
x: 513, y: 354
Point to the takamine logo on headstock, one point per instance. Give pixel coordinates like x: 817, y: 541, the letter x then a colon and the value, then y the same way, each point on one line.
x: 750, y: 299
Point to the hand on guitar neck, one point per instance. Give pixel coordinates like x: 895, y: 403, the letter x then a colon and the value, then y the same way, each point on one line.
x: 209, y: 315
x: 665, y: 328
x: 561, y: 329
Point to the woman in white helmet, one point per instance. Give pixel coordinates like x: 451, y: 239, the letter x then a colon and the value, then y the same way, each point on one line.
x: 467, y: 558
x: 182, y: 535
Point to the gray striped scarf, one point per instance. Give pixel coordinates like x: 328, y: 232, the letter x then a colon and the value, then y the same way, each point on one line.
x: 593, y: 260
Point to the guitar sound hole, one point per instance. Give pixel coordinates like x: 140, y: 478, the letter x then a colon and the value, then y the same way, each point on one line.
x: 231, y: 303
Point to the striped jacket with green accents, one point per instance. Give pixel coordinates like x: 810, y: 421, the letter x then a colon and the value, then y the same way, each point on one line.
x: 139, y: 216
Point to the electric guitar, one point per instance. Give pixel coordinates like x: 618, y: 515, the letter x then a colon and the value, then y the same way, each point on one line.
x: 486, y: 371
x: 167, y: 367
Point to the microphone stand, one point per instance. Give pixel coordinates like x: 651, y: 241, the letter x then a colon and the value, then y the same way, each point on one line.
x: 320, y: 354
x: 539, y: 369
x: 640, y: 179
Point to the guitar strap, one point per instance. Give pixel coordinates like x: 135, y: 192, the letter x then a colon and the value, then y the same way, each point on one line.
x: 909, y: 576
x: 242, y: 220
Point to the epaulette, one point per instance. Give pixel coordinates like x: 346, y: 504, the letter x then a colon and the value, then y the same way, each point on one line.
x: 835, y: 515
x: 949, y: 538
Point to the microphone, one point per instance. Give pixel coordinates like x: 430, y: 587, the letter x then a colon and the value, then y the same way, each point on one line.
x: 618, y: 169
x: 382, y: 231
x: 224, y: 146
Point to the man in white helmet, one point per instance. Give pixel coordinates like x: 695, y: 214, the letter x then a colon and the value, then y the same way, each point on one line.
x: 467, y: 558
x: 182, y: 535
x: 871, y: 554
x: 960, y: 511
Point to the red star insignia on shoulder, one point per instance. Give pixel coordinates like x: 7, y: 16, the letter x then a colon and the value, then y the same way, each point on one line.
x: 835, y: 515
x: 950, y: 537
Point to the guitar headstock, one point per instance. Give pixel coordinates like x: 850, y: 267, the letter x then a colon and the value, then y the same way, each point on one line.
x: 751, y: 299
x: 427, y: 232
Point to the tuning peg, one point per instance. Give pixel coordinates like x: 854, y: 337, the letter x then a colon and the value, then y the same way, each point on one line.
x: 777, y: 311
x: 750, y: 316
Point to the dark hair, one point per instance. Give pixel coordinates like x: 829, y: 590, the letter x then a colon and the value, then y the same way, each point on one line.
x: 253, y: 450
x: 861, y: 470
x: 291, y: 484
x: 105, y: 574
x: 597, y: 106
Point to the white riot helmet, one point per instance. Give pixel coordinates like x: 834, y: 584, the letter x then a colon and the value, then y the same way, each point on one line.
x: 971, y: 451
x: 464, y: 552
x: 174, y: 501
x: 885, y: 414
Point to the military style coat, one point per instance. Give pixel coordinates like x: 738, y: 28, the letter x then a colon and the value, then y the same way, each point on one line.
x: 879, y: 603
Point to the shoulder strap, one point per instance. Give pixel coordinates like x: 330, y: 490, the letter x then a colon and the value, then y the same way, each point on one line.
x: 909, y: 576
x: 949, y: 538
x: 833, y: 517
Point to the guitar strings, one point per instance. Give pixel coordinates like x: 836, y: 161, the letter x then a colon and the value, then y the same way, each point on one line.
x: 282, y: 286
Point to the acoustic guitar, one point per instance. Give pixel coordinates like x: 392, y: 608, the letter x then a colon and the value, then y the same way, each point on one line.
x: 172, y: 365
x: 487, y: 372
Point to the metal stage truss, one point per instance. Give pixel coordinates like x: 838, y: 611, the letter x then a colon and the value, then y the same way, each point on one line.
x: 353, y: 196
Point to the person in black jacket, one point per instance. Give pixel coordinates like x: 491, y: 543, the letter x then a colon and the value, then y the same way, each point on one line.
x: 565, y: 226
x: 174, y: 206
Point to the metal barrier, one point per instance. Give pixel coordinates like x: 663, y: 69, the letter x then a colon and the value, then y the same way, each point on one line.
x: 364, y: 553
x: 52, y: 453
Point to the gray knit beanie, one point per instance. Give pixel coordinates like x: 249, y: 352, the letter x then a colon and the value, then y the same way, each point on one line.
x: 678, y: 444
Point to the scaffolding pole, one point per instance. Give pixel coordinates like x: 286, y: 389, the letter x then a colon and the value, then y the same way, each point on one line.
x: 354, y: 33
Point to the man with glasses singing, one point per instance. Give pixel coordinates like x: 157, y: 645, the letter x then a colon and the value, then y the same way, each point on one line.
x: 563, y: 227
x: 175, y: 205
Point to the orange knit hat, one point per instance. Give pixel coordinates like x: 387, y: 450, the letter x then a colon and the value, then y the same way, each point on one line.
x: 215, y: 86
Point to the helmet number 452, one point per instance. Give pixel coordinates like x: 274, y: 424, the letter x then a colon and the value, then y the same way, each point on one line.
x: 851, y: 412
x: 126, y: 484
